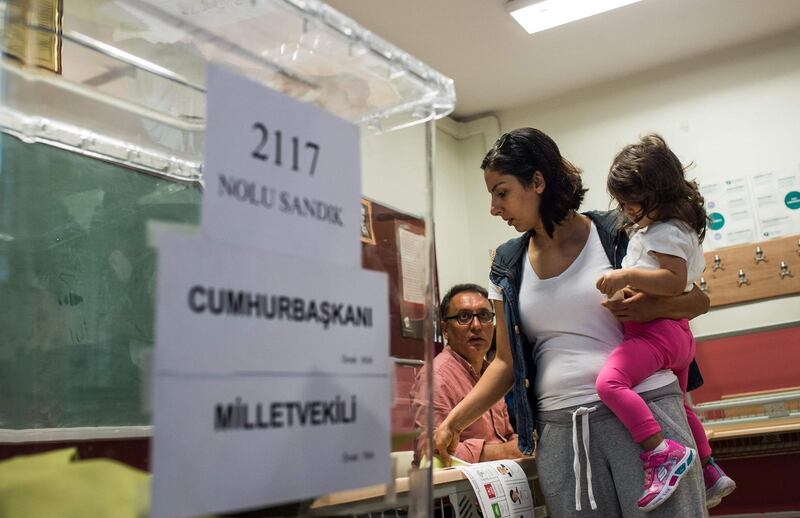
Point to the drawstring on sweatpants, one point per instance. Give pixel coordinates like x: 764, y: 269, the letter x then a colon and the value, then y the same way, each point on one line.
x: 576, y: 462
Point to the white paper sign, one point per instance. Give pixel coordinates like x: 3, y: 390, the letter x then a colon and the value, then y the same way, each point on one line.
x: 258, y: 400
x: 412, y: 265
x: 730, y: 210
x: 237, y: 442
x: 501, y: 487
x: 280, y: 175
x: 232, y: 309
x: 777, y: 200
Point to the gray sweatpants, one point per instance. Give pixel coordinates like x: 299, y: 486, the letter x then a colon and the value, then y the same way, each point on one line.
x: 616, y: 470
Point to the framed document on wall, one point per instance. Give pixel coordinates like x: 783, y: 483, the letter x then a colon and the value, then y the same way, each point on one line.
x: 397, y: 247
x: 367, y: 232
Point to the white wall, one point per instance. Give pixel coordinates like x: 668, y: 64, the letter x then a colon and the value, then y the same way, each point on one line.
x: 731, y: 113
x: 393, y: 173
x: 393, y: 169
x: 451, y: 214
x: 464, y: 231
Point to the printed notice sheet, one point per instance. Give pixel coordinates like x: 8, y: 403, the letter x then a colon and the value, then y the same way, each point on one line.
x: 412, y: 265
x: 777, y: 200
x: 501, y: 487
x: 730, y: 211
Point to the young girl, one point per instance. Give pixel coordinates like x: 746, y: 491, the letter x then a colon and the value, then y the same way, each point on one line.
x: 664, y: 258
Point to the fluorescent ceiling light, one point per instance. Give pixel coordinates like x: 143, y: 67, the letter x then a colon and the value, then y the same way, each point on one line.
x: 545, y: 14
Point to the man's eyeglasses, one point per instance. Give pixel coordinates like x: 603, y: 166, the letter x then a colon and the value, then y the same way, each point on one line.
x: 465, y: 317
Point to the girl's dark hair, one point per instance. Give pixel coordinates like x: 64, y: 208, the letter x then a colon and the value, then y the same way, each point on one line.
x: 649, y: 173
x: 524, y: 151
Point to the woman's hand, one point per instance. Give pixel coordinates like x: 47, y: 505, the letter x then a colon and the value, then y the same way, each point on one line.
x: 642, y: 307
x: 613, y: 281
x: 445, y: 441
x: 635, y: 307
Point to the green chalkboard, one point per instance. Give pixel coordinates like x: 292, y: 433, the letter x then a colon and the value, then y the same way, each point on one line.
x: 77, y: 285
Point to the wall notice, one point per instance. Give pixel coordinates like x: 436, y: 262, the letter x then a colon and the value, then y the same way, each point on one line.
x: 730, y: 212
x: 777, y: 203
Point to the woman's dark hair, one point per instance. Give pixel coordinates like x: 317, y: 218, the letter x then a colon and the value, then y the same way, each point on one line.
x: 649, y: 173
x: 524, y: 151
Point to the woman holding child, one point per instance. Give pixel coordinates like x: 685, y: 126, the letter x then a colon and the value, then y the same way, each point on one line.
x: 556, y: 329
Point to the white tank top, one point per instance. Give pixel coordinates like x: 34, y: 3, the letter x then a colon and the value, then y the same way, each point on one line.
x: 572, y: 332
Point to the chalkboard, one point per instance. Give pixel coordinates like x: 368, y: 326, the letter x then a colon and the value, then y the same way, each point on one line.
x: 77, y: 285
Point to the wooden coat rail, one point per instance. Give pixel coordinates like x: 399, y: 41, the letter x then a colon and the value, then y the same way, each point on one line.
x: 753, y: 271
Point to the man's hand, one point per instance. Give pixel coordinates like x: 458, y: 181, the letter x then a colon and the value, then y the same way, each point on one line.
x: 613, y: 281
x: 501, y: 451
x: 637, y: 306
x: 445, y: 442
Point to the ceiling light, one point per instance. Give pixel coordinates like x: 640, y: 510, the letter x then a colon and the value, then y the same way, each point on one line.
x: 536, y: 16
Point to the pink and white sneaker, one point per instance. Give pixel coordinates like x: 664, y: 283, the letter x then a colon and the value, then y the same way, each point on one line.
x: 662, y: 472
x: 718, y: 484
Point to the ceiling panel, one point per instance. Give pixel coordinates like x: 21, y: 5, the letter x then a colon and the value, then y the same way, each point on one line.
x: 495, y: 64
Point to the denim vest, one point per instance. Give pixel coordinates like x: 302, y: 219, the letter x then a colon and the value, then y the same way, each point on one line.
x: 506, y: 273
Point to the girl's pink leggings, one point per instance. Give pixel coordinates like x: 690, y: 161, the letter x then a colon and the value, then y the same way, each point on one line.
x: 649, y: 347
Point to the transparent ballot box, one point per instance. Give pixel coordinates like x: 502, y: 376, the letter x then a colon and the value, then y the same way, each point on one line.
x: 103, y: 113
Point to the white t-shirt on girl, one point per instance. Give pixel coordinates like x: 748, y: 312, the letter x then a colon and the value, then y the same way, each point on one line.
x: 573, y: 334
x: 672, y: 237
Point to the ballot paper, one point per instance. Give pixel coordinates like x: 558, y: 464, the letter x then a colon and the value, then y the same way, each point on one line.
x: 501, y: 487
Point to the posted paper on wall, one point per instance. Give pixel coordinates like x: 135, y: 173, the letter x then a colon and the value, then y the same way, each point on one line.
x: 411, y: 247
x: 777, y: 200
x: 730, y: 211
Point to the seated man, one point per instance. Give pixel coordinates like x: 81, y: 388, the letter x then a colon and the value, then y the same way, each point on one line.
x: 467, y: 323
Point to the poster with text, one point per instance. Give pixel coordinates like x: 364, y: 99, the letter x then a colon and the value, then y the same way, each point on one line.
x: 777, y: 202
x: 730, y: 211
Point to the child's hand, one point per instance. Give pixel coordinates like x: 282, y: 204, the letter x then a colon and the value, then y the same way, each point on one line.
x: 612, y: 282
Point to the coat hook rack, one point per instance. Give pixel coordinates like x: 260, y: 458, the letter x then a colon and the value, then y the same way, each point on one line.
x: 734, y: 275
x: 743, y: 278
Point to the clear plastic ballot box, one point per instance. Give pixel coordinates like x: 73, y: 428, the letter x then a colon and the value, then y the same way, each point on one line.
x: 103, y: 113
